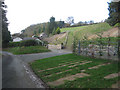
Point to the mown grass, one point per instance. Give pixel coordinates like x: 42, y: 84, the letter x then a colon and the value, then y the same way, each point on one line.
x: 95, y: 80
x: 73, y: 28
x: 26, y: 50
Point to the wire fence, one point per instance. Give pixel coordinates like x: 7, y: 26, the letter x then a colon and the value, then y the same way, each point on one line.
x: 98, y: 49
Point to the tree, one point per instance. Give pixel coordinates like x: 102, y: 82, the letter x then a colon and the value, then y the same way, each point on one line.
x: 44, y: 28
x: 54, y: 31
x: 52, y: 19
x: 61, y: 24
x: 91, y: 21
x: 80, y: 23
x: 39, y: 31
x: 85, y: 22
x: 35, y: 32
x: 70, y: 20
x: 51, y: 25
x: 57, y: 30
x: 22, y: 31
x: 6, y: 37
x: 114, y: 13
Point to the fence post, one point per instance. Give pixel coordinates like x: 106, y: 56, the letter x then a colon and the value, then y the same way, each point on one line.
x: 93, y: 49
x: 108, y: 47
x: 86, y: 51
x: 118, y: 51
x: 79, y: 48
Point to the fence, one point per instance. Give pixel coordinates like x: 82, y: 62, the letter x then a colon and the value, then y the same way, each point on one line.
x: 98, y: 49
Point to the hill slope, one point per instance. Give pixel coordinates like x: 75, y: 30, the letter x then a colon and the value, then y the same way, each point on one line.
x: 38, y: 28
x: 80, y: 32
x: 109, y: 33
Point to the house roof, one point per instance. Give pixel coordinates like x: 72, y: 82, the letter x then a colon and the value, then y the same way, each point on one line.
x: 28, y: 38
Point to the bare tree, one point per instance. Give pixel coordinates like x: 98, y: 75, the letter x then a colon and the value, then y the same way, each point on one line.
x: 70, y: 20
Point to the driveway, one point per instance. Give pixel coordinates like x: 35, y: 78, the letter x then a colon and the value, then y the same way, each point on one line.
x: 17, y: 74
x: 31, y: 57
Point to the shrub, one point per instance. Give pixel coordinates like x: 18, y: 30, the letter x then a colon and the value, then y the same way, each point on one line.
x: 117, y: 25
x: 13, y: 44
x: 58, y: 30
x: 45, y: 42
x: 29, y: 43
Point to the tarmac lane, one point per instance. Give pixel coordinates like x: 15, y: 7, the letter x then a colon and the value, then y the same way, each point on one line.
x: 14, y: 74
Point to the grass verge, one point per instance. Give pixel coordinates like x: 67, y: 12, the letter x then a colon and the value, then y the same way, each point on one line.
x: 27, y: 50
x: 49, y: 70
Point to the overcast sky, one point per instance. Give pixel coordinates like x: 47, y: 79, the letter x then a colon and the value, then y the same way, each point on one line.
x: 23, y: 13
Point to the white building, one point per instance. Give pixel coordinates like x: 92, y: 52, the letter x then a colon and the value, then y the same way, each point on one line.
x: 43, y: 35
x: 17, y: 39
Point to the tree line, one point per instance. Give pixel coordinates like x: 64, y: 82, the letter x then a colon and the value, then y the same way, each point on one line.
x: 6, y: 36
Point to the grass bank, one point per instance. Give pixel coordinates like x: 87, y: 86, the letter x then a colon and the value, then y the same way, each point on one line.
x: 62, y: 71
x: 26, y: 50
x: 80, y: 32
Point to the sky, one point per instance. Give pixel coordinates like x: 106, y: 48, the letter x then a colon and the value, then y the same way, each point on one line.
x: 23, y: 13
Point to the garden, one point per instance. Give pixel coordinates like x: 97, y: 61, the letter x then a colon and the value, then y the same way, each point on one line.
x: 73, y: 71
x: 26, y: 47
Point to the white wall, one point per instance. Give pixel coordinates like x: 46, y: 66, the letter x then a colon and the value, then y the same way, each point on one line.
x: 17, y: 39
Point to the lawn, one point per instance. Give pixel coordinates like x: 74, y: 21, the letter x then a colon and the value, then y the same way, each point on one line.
x: 72, y: 71
x: 26, y: 50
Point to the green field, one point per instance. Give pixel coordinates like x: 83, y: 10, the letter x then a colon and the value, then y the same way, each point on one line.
x: 27, y: 50
x: 73, y: 28
x: 61, y: 71
x: 89, y: 28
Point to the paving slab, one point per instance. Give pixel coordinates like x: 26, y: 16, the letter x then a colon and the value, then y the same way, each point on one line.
x: 70, y: 78
x: 112, y: 75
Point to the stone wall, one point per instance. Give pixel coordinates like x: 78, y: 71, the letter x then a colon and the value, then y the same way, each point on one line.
x: 58, y: 46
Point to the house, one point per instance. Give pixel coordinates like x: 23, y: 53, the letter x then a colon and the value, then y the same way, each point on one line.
x: 42, y: 35
x: 17, y: 39
x: 28, y: 38
x: 15, y: 35
x: 33, y: 36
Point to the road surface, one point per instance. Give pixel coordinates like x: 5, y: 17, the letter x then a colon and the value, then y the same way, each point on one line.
x: 16, y: 72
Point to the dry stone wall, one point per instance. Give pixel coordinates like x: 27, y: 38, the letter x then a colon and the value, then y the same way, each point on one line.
x: 58, y: 46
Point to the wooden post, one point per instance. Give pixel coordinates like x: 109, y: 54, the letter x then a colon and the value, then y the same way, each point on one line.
x: 93, y: 50
x: 87, y: 48
x: 118, y: 51
x: 108, y: 47
x: 79, y: 48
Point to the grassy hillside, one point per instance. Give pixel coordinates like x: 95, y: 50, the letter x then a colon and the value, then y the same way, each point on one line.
x: 38, y: 28
x: 82, y: 31
x: 29, y: 31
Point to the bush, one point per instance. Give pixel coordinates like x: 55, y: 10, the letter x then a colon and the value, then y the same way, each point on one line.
x: 58, y: 30
x: 117, y: 25
x: 24, y: 43
x: 45, y: 42
x: 29, y: 43
x: 13, y: 44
